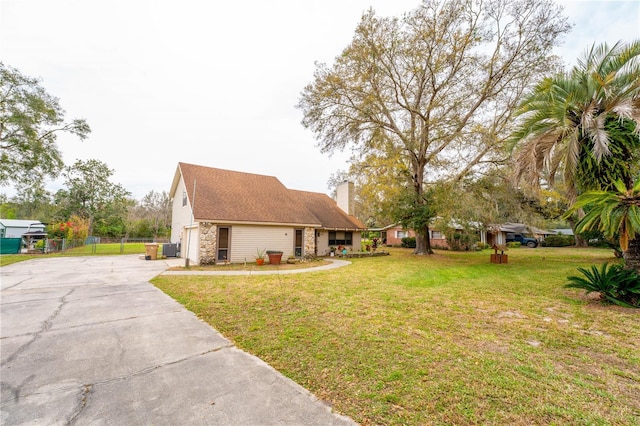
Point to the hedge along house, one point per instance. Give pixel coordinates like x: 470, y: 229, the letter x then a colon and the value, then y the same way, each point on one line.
x: 223, y: 216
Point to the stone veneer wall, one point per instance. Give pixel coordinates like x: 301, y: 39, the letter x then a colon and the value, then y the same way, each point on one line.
x: 208, y: 239
x: 309, y: 242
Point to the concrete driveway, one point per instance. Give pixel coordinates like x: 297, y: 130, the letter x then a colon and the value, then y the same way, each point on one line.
x: 88, y: 340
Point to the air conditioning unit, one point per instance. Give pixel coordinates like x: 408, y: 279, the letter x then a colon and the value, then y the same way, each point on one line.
x: 170, y: 250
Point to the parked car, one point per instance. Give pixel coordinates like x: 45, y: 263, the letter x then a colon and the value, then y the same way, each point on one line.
x: 525, y: 241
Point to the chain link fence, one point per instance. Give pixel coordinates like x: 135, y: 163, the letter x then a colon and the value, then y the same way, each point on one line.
x: 98, y: 245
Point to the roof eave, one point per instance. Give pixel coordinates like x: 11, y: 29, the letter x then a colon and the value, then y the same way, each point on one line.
x: 256, y: 223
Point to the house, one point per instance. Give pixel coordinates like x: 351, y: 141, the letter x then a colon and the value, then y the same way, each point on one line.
x: 540, y: 234
x: 28, y: 231
x: 562, y: 231
x: 392, y: 235
x: 227, y: 216
x: 498, y: 233
x: 16, y: 228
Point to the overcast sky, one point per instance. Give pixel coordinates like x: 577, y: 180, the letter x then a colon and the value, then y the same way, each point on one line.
x: 211, y: 82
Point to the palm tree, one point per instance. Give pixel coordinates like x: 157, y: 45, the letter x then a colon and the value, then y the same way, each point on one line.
x: 615, y: 213
x: 584, y: 125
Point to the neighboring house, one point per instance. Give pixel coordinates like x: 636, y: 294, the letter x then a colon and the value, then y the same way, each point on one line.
x: 562, y: 231
x: 540, y: 234
x: 30, y: 231
x: 498, y: 233
x: 227, y: 216
x: 15, y: 228
x: 438, y: 240
x: 393, y: 234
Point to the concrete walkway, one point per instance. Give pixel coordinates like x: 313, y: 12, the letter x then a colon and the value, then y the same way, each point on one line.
x: 88, y: 340
x: 174, y: 262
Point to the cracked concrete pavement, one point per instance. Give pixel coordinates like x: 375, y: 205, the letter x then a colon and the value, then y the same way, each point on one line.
x: 88, y: 340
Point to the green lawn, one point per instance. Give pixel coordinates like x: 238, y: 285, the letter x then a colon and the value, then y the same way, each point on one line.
x: 108, y: 249
x: 8, y: 259
x: 87, y: 250
x: 443, y: 339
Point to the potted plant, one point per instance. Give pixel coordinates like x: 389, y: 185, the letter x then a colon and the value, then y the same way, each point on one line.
x: 260, y: 257
x: 291, y: 259
x: 275, y: 256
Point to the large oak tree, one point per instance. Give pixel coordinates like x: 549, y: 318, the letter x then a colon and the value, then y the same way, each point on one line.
x: 30, y: 121
x: 437, y: 86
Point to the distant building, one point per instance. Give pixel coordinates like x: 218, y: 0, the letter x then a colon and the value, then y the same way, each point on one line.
x: 16, y: 228
x: 28, y: 231
x: 562, y: 231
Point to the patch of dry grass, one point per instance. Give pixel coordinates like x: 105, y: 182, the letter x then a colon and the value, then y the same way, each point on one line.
x: 443, y: 339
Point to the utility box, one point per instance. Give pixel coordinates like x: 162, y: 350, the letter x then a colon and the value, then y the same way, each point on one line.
x: 170, y: 250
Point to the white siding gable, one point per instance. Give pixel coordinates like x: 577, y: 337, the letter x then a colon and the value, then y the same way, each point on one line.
x: 181, y: 214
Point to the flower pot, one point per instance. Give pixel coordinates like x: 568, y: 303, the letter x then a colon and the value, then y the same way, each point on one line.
x: 274, y: 257
x: 260, y: 261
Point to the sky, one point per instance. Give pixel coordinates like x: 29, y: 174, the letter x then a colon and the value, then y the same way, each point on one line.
x: 213, y: 83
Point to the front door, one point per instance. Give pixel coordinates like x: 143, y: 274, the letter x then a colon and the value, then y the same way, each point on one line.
x: 223, y: 245
x: 298, y: 243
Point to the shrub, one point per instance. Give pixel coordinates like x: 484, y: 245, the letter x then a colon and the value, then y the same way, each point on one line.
x: 615, y: 284
x: 558, y: 241
x: 409, y: 242
x: 514, y: 244
x: 76, y: 228
x: 461, y: 240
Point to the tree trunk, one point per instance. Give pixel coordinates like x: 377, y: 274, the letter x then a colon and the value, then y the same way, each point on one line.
x: 580, y: 242
x: 632, y: 255
x: 423, y: 242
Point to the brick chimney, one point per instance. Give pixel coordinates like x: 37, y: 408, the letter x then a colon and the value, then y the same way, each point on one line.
x: 344, y: 197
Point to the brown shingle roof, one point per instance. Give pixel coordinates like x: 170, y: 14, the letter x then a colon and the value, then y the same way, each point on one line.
x: 230, y: 196
x: 327, y: 211
x: 225, y: 195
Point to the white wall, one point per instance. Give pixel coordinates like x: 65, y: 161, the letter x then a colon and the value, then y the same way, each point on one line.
x: 322, y: 243
x: 180, y: 215
x: 247, y: 239
x: 344, y: 197
x: 357, y: 241
x: 190, y: 246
